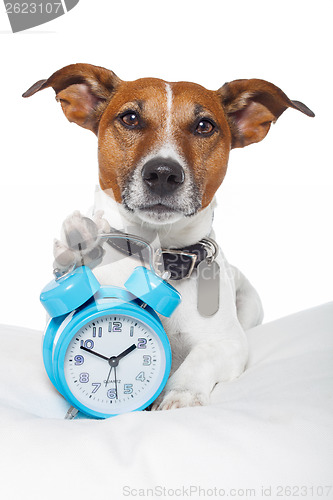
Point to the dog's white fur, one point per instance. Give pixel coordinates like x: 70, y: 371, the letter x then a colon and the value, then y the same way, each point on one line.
x: 205, y: 350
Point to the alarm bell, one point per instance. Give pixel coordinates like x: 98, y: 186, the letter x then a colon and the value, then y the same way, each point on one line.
x: 153, y: 290
x: 70, y: 291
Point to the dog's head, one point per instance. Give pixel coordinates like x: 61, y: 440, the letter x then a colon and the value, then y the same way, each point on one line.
x: 163, y: 147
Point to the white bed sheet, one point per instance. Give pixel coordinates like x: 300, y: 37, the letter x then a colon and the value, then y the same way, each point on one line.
x: 268, y: 434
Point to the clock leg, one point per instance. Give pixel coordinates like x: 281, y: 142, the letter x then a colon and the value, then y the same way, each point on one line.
x: 71, y: 413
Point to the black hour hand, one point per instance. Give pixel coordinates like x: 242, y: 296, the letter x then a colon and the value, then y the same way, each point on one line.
x: 127, y: 351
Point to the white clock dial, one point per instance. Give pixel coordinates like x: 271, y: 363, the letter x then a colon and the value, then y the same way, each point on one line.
x: 114, y: 364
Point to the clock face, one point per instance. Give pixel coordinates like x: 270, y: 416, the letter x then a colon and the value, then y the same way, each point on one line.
x: 114, y: 364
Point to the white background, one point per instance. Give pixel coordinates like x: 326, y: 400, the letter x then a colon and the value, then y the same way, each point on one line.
x: 275, y: 205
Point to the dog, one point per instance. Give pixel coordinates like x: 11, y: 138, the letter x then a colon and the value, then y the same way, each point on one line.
x: 163, y: 151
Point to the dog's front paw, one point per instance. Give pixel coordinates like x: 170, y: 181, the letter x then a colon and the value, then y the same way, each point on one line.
x: 80, y: 233
x: 179, y: 399
x: 80, y: 243
x: 64, y: 257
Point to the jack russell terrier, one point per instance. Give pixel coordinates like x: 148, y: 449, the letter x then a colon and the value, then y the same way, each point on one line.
x: 163, y: 151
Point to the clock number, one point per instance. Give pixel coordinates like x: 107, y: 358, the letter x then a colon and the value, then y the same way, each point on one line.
x: 128, y: 388
x: 146, y: 360
x: 99, y: 331
x: 142, y: 343
x: 115, y: 326
x: 111, y: 394
x: 141, y: 376
x: 84, y: 378
x: 79, y: 360
x: 96, y: 385
x: 88, y: 344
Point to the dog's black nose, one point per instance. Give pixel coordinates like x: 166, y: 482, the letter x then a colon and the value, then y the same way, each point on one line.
x: 163, y: 175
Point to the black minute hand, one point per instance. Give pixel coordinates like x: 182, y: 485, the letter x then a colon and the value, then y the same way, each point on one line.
x: 94, y: 352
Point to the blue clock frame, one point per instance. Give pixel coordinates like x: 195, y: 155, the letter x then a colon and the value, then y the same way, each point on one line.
x: 78, y: 299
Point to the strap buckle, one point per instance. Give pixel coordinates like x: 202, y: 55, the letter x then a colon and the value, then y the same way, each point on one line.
x: 190, y: 255
x: 182, y: 268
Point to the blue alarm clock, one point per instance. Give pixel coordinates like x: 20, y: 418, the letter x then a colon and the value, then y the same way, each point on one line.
x: 105, y: 349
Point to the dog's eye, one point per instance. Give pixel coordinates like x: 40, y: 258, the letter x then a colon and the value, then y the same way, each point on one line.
x: 131, y: 119
x: 204, y: 127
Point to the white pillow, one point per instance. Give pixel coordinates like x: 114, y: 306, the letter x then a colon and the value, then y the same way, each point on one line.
x: 266, y: 434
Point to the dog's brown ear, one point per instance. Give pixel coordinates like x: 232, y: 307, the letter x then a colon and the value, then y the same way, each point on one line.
x: 252, y: 106
x: 83, y: 91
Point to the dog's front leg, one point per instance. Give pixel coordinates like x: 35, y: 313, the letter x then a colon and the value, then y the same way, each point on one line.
x: 216, y: 358
x: 206, y: 350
